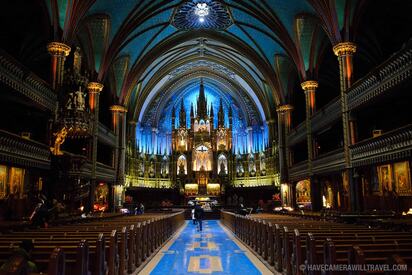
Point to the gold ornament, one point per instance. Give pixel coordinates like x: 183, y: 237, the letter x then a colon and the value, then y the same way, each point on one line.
x: 58, y: 48
x: 60, y: 138
x: 344, y: 48
x: 309, y: 85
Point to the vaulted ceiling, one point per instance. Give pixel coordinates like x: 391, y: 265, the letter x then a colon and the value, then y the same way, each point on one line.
x: 144, y: 47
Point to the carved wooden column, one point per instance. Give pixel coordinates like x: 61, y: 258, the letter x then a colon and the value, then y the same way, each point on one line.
x: 309, y: 87
x: 94, y: 89
x: 58, y: 52
x: 122, y: 147
x: 345, y: 51
x: 119, y: 128
x: 284, y: 121
x: 132, y: 154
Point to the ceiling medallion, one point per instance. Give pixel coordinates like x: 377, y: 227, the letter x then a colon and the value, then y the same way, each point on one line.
x: 202, y: 14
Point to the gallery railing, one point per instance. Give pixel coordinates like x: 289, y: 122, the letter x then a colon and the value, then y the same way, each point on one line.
x: 329, y: 162
x: 22, y: 80
x: 393, y: 145
x: 299, y: 171
x: 395, y: 71
x: 24, y: 152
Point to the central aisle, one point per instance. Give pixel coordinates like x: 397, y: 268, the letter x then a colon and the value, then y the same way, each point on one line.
x: 212, y: 251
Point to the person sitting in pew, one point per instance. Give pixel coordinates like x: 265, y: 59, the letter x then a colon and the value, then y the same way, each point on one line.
x: 242, y: 210
x: 40, y: 214
x: 24, y: 251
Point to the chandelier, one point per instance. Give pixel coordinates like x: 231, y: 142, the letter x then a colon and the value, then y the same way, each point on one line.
x: 201, y: 10
x: 202, y: 14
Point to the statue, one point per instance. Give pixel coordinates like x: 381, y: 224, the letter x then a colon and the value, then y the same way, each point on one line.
x: 60, y: 137
x: 70, y: 100
x: 181, y: 168
x: 151, y: 169
x: 140, y: 170
x: 80, y: 101
x: 222, y: 169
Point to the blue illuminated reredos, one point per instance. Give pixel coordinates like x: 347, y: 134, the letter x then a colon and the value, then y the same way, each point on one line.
x: 247, y: 137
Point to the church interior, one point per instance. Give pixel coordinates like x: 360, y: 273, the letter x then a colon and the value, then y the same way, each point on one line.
x: 283, y: 127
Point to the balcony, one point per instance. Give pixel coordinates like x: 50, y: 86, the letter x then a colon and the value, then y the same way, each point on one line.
x: 393, y: 145
x: 297, y: 134
x: 321, y: 119
x: 23, y: 152
x: 329, y: 162
x: 20, y: 79
x: 393, y: 72
x: 299, y: 171
x: 80, y: 166
x: 390, y: 74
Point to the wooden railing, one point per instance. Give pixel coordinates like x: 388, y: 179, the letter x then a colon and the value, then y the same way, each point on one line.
x: 81, y: 166
x: 396, y: 144
x: 331, y: 161
x: 25, y: 152
x: 396, y: 70
x: 22, y: 80
x: 299, y: 171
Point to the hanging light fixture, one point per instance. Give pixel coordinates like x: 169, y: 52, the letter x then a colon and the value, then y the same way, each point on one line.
x: 202, y: 10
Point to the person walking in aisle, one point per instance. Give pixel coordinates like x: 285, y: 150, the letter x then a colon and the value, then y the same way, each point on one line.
x: 199, y: 213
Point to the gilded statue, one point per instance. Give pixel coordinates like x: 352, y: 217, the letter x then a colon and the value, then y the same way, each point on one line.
x: 181, y: 168
x: 80, y: 101
x: 59, y: 140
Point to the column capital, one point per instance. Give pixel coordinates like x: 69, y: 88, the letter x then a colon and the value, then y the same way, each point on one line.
x: 118, y: 108
x: 58, y: 49
x: 95, y: 87
x: 284, y: 108
x: 309, y: 85
x: 344, y: 48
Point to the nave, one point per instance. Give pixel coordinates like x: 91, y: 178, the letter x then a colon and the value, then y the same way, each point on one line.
x: 287, y: 121
x: 214, y: 250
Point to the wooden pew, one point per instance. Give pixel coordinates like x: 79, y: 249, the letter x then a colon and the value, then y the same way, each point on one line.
x: 124, y: 250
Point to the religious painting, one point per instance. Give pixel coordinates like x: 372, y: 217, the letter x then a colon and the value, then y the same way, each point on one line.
x: 101, y: 194
x: 3, y: 182
x: 16, y: 181
x: 402, y: 178
x: 285, y: 194
x: 385, y: 178
x: 303, y: 192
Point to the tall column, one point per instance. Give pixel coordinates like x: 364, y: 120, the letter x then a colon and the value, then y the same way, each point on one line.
x: 309, y: 87
x: 345, y: 51
x: 122, y: 165
x: 58, y: 52
x: 94, y: 89
x: 284, y: 121
x: 119, y: 127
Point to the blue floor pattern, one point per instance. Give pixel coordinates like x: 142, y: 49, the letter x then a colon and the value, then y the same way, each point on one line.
x: 211, y: 251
